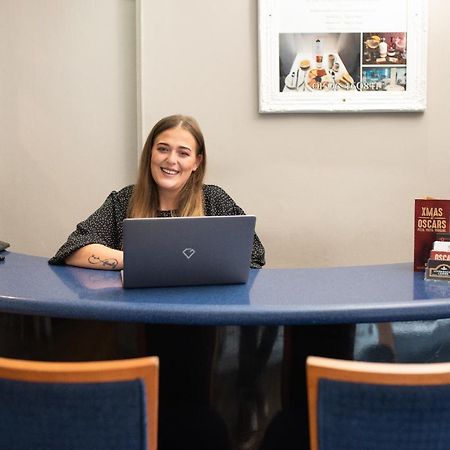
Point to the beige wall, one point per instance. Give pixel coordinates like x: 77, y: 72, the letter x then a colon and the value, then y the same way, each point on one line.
x: 67, y: 114
x: 327, y: 189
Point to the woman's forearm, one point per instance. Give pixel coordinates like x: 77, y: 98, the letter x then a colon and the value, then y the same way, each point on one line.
x: 96, y: 256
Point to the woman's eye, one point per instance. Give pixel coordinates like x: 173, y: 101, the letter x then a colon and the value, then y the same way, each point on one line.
x: 162, y: 149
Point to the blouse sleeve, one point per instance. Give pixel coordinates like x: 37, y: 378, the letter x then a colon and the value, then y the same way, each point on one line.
x: 104, y: 226
x: 219, y: 203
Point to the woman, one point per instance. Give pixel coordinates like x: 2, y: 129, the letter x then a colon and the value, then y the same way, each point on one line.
x: 170, y: 183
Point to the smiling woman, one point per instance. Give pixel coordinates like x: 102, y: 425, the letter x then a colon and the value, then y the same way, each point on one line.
x: 169, y: 183
x: 174, y: 158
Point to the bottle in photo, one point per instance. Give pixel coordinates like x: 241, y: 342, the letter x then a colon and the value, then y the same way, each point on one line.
x: 392, y: 50
x: 331, y: 60
x: 383, y: 48
x: 319, y: 53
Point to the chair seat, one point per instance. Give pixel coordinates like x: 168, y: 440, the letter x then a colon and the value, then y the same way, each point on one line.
x: 356, y: 405
x: 357, y: 416
x: 99, y: 405
x: 72, y: 416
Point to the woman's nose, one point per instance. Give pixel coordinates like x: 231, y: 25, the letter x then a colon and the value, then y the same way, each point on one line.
x: 172, y: 157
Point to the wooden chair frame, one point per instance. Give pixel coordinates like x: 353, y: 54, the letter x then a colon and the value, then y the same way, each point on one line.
x: 369, y: 373
x: 145, y: 369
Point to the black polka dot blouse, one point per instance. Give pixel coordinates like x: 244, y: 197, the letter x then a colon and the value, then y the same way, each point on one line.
x: 104, y: 226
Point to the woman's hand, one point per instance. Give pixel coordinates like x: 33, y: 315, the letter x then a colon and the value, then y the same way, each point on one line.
x: 96, y: 256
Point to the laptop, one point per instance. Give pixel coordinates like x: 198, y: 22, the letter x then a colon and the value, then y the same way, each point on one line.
x: 187, y: 251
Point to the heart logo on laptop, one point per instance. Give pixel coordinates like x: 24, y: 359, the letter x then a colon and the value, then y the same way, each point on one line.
x: 188, y: 252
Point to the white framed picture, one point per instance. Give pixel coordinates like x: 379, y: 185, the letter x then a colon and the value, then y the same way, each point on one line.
x: 342, y: 55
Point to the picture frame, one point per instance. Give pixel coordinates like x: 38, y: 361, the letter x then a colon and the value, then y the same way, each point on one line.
x: 342, y: 56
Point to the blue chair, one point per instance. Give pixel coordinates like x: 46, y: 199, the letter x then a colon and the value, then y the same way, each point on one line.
x: 85, y: 405
x: 378, y: 406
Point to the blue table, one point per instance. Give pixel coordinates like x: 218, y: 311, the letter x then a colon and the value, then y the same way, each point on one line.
x: 321, y: 304
x: 379, y: 293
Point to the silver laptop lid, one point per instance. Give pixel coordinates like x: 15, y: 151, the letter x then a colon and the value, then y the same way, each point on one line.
x: 184, y: 251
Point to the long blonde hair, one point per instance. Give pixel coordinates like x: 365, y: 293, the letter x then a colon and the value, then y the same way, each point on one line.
x: 144, y: 201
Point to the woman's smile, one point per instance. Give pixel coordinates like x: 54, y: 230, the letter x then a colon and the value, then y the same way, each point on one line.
x: 169, y: 172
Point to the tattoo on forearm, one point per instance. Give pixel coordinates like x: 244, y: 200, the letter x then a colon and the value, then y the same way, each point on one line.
x: 109, y: 262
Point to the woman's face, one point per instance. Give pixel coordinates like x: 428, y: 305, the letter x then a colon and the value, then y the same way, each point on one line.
x: 174, y: 158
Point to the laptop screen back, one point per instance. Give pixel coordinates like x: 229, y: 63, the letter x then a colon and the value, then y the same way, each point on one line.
x: 184, y: 251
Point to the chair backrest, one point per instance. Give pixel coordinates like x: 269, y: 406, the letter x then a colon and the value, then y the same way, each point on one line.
x: 79, y: 405
x: 363, y: 405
